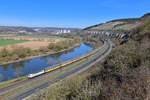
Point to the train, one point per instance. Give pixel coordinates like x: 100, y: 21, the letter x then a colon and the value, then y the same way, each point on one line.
x: 58, y: 66
x: 36, y: 74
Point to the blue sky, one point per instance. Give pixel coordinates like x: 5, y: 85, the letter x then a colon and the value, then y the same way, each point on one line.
x: 68, y: 13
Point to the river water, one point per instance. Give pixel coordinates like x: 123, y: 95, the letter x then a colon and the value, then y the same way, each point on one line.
x: 22, y: 68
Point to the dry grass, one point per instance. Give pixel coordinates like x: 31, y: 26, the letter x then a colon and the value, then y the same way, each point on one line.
x: 125, y: 75
x: 33, y: 45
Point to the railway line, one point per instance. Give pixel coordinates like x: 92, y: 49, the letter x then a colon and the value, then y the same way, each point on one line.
x: 64, y: 64
x: 61, y: 77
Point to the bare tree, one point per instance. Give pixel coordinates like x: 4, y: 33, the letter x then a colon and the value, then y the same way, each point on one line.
x: 1, y: 76
x: 18, y: 71
x: 59, y: 61
x: 50, y: 62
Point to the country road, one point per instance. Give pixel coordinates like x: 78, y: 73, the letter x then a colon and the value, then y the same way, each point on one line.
x: 103, y: 51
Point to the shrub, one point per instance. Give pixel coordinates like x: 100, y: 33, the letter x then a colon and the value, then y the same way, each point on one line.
x: 4, y: 52
x: 124, y: 75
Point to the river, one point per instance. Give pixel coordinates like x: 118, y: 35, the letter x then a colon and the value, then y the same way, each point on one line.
x: 22, y: 68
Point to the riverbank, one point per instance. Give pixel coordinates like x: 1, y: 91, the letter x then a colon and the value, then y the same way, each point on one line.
x: 40, y: 55
x: 12, y: 82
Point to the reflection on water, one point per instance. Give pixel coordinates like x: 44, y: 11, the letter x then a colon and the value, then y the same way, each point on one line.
x: 26, y: 67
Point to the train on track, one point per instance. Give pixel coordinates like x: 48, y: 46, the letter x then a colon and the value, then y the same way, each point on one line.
x: 58, y: 66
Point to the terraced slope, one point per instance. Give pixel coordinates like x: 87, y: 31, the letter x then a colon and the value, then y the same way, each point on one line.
x: 120, y: 24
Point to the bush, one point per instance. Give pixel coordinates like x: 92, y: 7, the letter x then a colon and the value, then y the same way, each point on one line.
x: 124, y: 75
x: 76, y: 88
x: 64, y: 44
x: 21, y: 52
x: 4, y: 52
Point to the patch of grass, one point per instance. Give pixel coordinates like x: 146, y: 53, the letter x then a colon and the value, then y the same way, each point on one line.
x: 42, y: 36
x: 19, y: 53
x: 74, y: 88
x: 11, y: 82
x: 10, y: 42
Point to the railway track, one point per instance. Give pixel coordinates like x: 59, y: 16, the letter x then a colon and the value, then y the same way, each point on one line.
x: 46, y: 84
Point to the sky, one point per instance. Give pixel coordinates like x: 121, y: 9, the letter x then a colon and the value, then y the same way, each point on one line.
x: 68, y: 13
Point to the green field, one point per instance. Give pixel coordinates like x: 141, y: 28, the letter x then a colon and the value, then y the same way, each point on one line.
x: 9, y: 42
x: 38, y: 36
x: 42, y: 36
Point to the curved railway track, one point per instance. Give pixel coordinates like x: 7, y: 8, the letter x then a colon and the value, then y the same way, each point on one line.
x: 46, y: 84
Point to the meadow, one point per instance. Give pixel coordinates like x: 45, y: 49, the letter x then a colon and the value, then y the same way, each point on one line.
x: 41, y: 36
x: 10, y: 42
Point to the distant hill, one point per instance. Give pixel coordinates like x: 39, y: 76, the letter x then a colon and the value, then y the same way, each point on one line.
x: 32, y: 30
x: 119, y: 24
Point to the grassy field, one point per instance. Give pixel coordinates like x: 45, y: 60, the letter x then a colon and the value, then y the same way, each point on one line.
x: 30, y: 36
x: 42, y: 36
x: 9, y: 42
x: 11, y: 82
x: 39, y: 36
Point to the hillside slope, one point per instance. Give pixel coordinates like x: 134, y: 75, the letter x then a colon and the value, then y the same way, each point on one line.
x: 119, y: 24
x: 124, y: 75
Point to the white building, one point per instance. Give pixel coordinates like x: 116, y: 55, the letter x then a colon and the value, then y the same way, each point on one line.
x: 63, y: 31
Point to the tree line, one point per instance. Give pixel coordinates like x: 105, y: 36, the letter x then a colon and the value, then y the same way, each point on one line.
x: 21, y: 52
